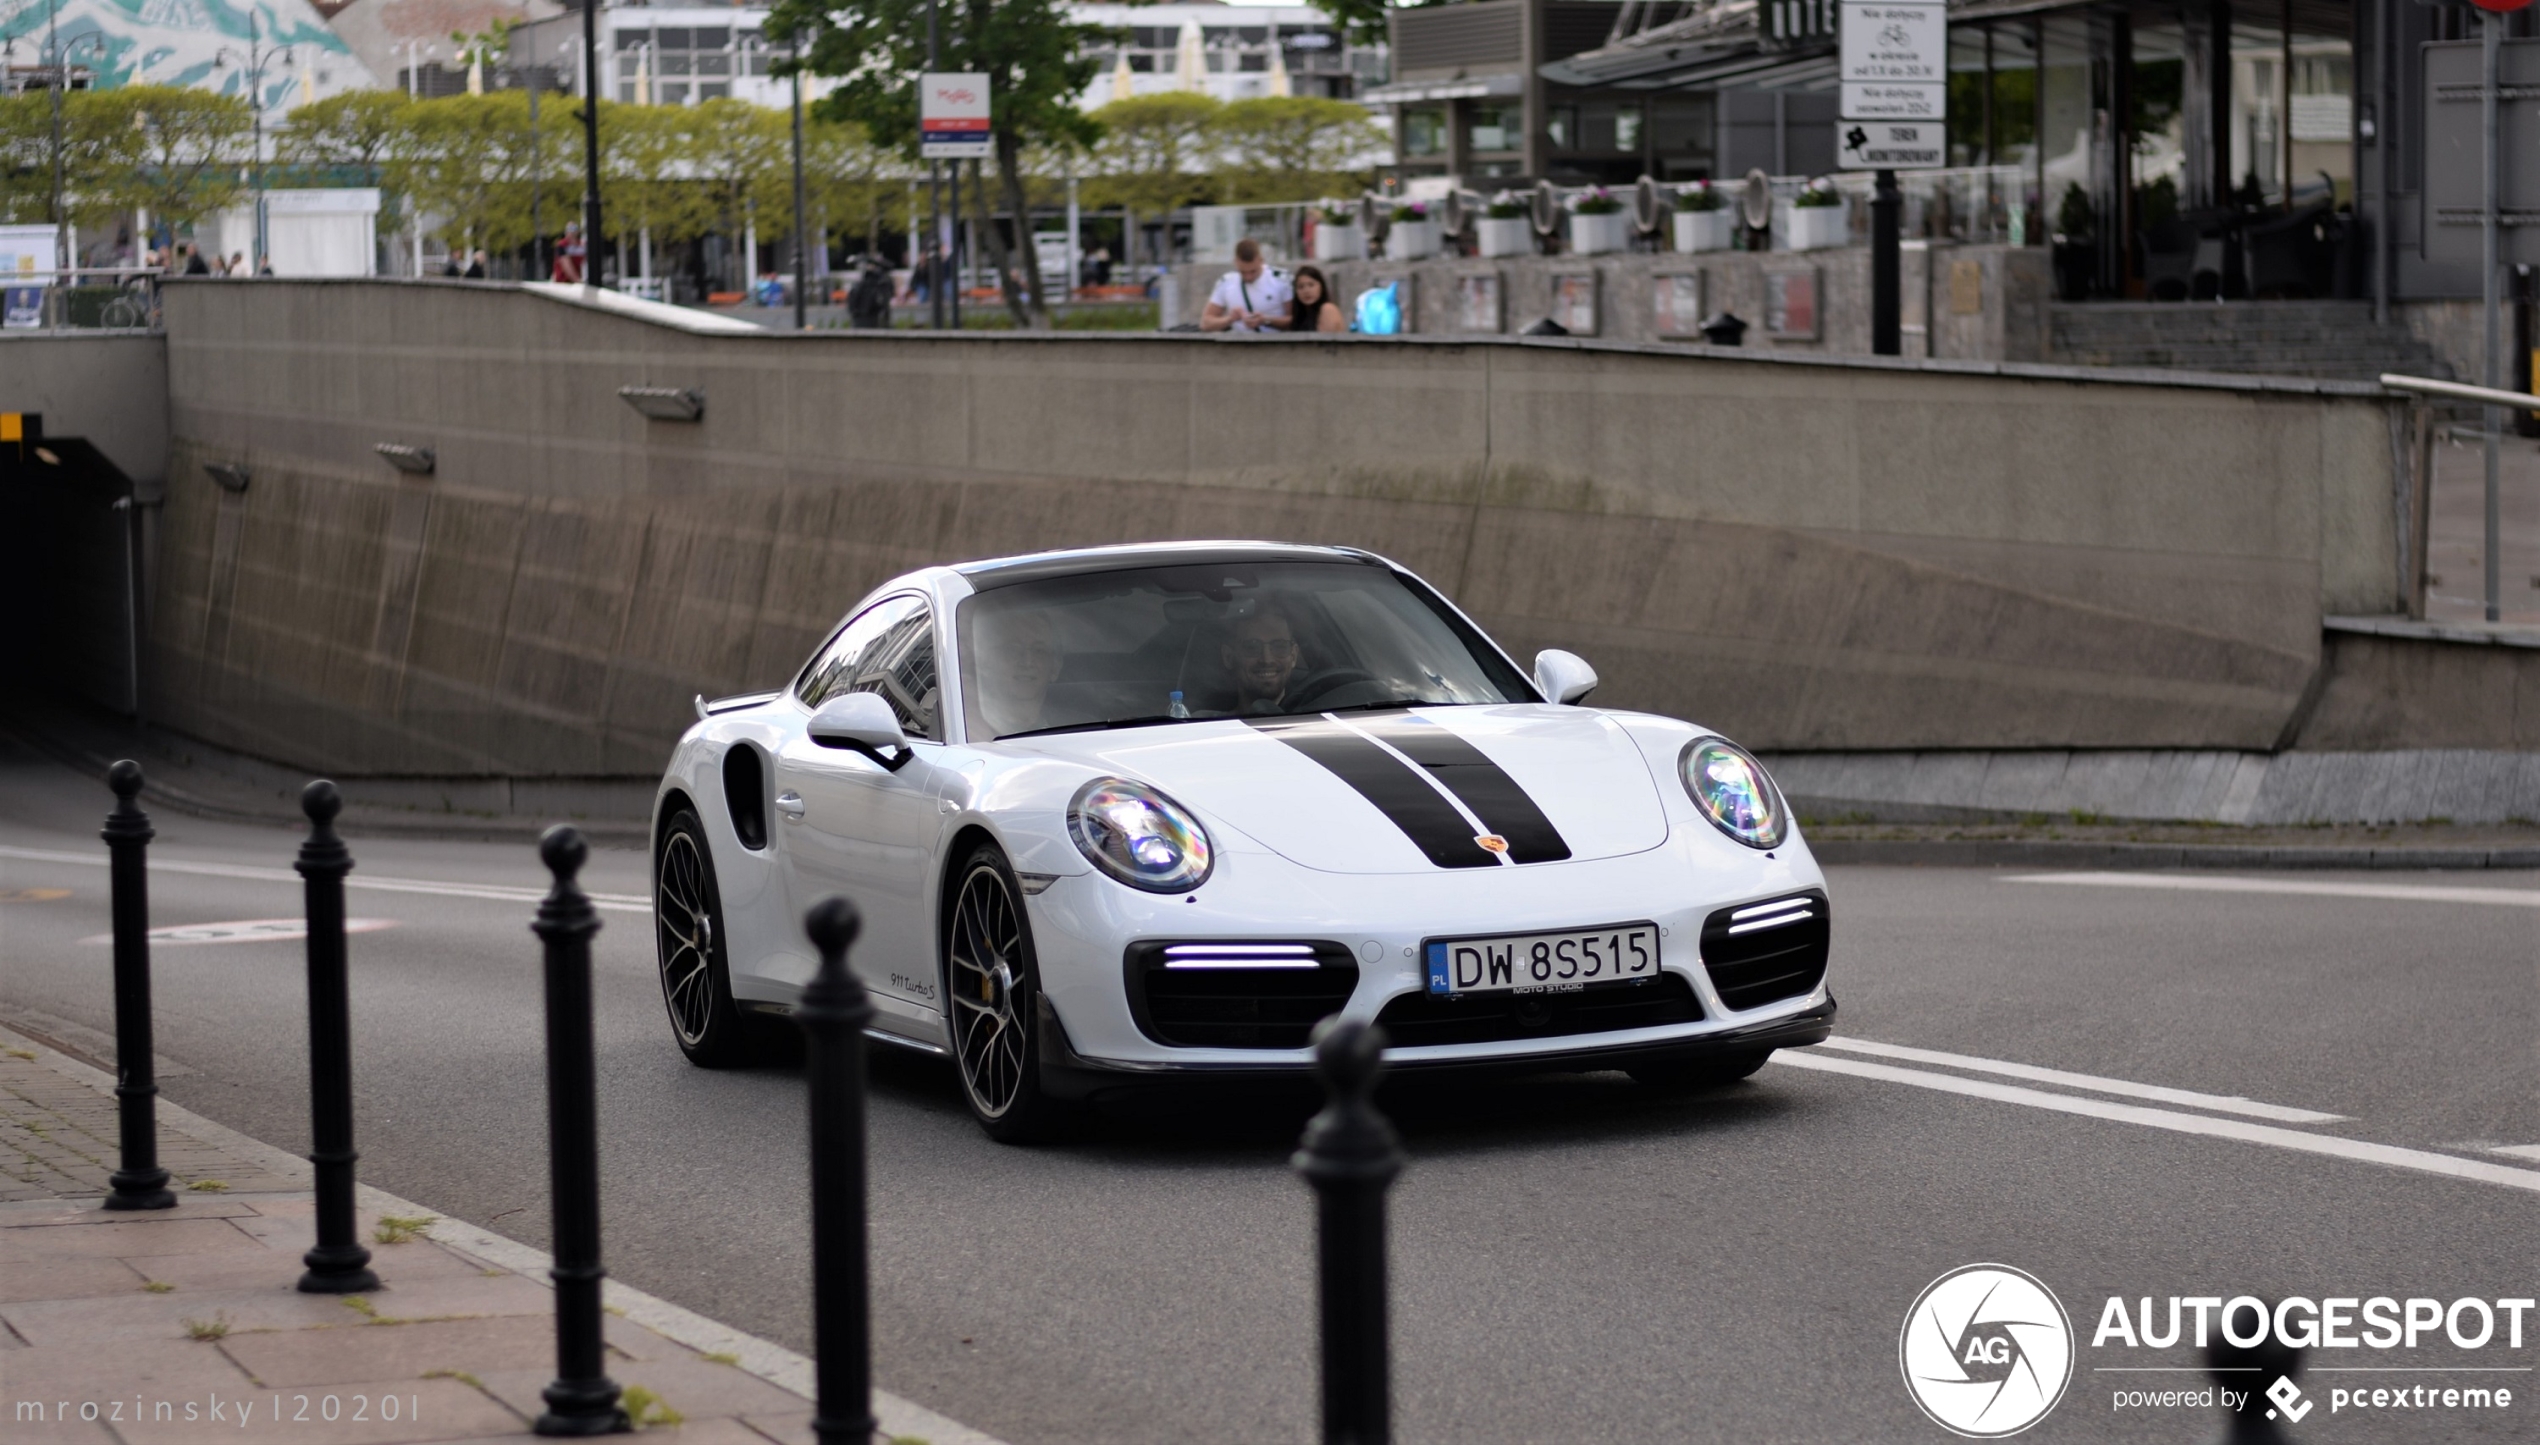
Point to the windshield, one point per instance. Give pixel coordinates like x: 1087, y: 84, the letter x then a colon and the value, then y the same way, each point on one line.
x: 1269, y: 639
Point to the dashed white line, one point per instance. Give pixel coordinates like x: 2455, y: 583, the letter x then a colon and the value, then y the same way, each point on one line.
x: 2221, y: 1103
x: 2226, y: 883
x: 611, y: 902
x: 2392, y: 1155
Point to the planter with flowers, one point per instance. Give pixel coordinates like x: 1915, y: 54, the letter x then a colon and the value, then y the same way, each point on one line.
x: 1819, y: 218
x: 1338, y: 236
x: 1505, y: 229
x: 1701, y: 219
x: 1413, y: 235
x: 1597, y: 224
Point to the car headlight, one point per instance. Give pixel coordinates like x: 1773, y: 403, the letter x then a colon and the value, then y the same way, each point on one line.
x: 1139, y: 836
x: 1730, y: 788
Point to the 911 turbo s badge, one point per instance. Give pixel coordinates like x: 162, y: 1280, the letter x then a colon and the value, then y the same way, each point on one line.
x: 1419, y: 795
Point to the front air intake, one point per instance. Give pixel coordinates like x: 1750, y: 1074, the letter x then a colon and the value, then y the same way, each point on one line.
x: 1220, y: 993
x: 1773, y: 949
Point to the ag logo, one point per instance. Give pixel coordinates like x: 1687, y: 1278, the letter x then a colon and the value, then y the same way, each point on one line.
x: 1987, y: 1350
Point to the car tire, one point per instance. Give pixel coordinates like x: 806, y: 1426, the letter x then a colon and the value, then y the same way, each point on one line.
x: 991, y: 983
x: 1687, y: 1076
x: 696, y: 978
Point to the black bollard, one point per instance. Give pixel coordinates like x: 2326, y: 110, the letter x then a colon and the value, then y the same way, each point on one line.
x: 339, y: 1264
x: 834, y: 1012
x: 582, y: 1400
x: 1350, y: 1156
x: 140, y: 1183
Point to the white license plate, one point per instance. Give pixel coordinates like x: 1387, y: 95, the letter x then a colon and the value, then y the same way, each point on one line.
x: 1543, y: 962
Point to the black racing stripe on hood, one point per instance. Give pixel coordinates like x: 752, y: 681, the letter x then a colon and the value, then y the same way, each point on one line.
x: 1402, y: 795
x: 1482, y: 785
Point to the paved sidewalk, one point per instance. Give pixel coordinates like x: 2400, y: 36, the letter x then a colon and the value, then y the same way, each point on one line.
x: 183, y: 1324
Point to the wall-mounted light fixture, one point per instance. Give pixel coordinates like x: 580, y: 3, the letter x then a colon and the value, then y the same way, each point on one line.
x: 417, y: 460
x: 232, y: 476
x: 665, y: 403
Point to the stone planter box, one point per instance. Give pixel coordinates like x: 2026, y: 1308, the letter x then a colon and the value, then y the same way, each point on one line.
x: 1510, y: 236
x: 1814, y: 228
x: 1702, y: 230
x: 1339, y: 243
x: 1411, y: 241
x: 1597, y: 235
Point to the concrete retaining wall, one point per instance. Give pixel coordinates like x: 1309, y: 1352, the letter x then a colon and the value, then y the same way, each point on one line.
x: 1806, y: 553
x: 111, y: 388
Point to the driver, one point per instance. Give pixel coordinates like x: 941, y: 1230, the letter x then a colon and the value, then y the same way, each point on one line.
x: 1018, y: 660
x: 1262, y: 655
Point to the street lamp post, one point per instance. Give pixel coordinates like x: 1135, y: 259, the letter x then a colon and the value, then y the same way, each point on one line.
x: 590, y: 140
x: 257, y: 56
x: 59, y: 81
x: 802, y: 271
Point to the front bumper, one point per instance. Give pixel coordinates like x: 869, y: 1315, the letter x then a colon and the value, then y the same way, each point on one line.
x: 1066, y: 1074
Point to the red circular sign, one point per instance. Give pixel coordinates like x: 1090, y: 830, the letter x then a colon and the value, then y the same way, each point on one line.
x: 2501, y: 7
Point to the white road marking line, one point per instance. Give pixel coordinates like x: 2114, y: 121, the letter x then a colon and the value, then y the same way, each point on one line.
x: 2225, y: 883
x: 244, y: 930
x: 2390, y: 1154
x: 2518, y: 1151
x: 610, y: 902
x: 2223, y: 1103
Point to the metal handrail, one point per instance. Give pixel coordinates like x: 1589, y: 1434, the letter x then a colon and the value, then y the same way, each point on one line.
x: 2460, y: 392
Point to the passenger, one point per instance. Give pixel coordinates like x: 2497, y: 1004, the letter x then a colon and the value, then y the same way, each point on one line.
x: 1018, y: 660
x: 1261, y: 654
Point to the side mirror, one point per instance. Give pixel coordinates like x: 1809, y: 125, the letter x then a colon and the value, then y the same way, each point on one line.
x: 862, y: 722
x: 1563, y: 676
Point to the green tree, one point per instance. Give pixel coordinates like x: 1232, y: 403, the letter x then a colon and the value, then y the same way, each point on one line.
x: 358, y: 130
x: 469, y: 161
x: 848, y: 181
x: 1155, y: 150
x: 189, y: 150
x: 1036, y: 58
x: 648, y: 174
x: 741, y: 156
x: 1294, y: 148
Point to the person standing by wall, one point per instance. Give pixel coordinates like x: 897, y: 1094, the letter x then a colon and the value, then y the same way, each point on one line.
x: 1252, y: 297
x: 569, y: 256
x: 1314, y: 307
x: 869, y: 300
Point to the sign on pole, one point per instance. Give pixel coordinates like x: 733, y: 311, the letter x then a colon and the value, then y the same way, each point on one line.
x: 952, y: 116
x: 1895, y: 59
x: 1880, y: 145
x: 1895, y: 70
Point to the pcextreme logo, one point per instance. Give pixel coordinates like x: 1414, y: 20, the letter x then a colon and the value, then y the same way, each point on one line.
x: 1986, y: 1351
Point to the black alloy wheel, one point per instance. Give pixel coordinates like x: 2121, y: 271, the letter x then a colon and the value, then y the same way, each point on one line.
x: 990, y: 980
x: 696, y: 983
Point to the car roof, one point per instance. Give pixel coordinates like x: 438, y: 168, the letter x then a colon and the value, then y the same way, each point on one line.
x: 1037, y: 566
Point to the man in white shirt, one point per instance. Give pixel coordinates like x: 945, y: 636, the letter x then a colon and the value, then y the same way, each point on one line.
x: 1252, y: 297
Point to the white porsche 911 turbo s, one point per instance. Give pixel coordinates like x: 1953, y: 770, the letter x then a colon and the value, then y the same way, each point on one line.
x: 1129, y: 814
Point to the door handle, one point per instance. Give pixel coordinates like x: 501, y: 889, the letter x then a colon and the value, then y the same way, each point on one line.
x: 790, y: 804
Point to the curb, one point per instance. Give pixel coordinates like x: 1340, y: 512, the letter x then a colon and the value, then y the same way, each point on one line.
x: 2014, y: 853
x: 368, y: 819
x: 772, y: 1362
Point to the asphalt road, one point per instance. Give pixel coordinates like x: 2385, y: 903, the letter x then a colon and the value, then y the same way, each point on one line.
x: 1575, y: 1259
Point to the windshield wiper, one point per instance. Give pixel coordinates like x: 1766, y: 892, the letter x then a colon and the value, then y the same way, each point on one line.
x: 1098, y: 724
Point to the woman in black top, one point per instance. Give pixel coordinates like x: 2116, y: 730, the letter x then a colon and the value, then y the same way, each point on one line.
x: 1313, y: 308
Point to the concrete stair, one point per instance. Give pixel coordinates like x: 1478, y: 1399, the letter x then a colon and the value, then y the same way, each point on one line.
x: 2329, y: 339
